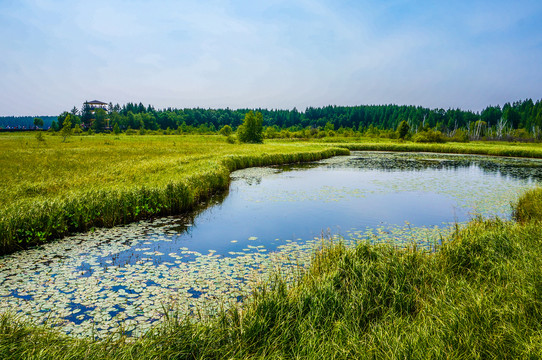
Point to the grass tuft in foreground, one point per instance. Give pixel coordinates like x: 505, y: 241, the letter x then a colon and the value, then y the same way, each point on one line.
x: 529, y: 206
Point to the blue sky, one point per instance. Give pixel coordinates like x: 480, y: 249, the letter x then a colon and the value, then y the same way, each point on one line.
x: 275, y: 54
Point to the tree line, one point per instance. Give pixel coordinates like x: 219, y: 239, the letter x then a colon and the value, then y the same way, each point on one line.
x: 518, y: 119
x: 24, y: 122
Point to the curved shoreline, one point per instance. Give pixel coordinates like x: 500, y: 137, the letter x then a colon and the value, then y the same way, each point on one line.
x: 49, y: 220
x: 46, y: 220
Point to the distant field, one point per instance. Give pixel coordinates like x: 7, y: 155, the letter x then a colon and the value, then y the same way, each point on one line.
x: 514, y: 149
x: 35, y: 170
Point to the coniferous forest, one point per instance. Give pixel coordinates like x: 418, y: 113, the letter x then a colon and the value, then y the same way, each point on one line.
x: 521, y: 119
x: 513, y: 121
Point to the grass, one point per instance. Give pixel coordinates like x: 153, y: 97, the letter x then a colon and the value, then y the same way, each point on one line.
x: 529, y: 207
x: 59, y: 188
x: 478, y: 296
x: 532, y: 150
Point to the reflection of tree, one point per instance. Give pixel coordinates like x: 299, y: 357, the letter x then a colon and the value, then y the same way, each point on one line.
x: 186, y: 222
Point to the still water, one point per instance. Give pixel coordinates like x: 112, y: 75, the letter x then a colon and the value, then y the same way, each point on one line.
x: 95, y: 283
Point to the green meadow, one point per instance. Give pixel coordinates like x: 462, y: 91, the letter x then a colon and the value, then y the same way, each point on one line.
x: 53, y: 188
x: 479, y: 295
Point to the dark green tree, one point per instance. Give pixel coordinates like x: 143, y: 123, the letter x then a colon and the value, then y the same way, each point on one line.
x: 402, y: 129
x: 99, y: 120
x: 513, y: 117
x: 38, y: 122
x: 86, y: 114
x: 116, y: 129
x: 251, y: 129
x: 54, y: 126
x: 60, y: 119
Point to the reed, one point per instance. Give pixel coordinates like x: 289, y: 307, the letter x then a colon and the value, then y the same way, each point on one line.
x: 529, y: 206
x: 532, y: 150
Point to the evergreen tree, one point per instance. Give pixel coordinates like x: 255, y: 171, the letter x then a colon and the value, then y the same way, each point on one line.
x: 99, y: 120
x: 403, y: 129
x: 86, y: 114
x: 38, y: 122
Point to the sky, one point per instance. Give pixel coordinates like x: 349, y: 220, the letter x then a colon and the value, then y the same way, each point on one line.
x: 275, y: 54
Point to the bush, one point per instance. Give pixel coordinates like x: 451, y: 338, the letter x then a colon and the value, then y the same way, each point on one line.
x: 521, y: 134
x: 226, y: 130
x: 460, y: 136
x: 429, y: 136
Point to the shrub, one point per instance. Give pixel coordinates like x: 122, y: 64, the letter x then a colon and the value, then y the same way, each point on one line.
x: 460, y: 136
x: 226, y: 130
x: 429, y: 136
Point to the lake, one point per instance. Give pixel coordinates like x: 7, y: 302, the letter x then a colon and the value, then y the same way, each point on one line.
x: 127, y: 277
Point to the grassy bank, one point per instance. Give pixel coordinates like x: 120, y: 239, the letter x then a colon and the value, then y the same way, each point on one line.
x: 57, y: 188
x: 478, y: 296
x: 533, y: 150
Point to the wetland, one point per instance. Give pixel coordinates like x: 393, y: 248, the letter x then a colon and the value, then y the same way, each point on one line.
x: 272, y: 218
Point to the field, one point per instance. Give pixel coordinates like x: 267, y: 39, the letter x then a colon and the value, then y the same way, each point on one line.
x: 478, y: 296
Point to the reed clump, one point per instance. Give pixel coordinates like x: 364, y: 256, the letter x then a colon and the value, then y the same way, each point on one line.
x: 529, y: 206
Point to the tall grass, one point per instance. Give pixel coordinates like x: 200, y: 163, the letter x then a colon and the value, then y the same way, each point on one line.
x: 478, y: 296
x: 529, y: 206
x: 106, y: 181
x: 478, y: 148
